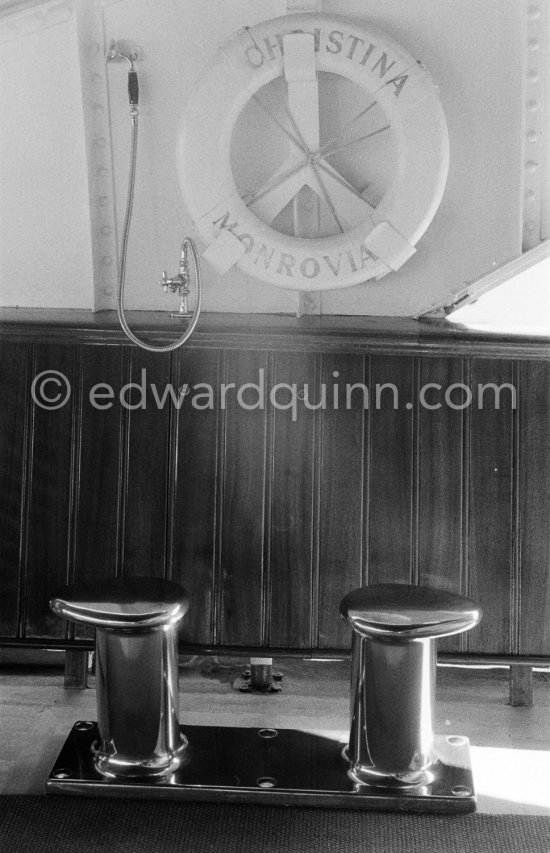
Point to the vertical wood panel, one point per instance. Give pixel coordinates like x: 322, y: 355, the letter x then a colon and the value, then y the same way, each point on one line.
x: 260, y: 581
x: 391, y: 470
x: 534, y: 494
x: 145, y: 512
x: 292, y: 549
x: 15, y: 387
x: 440, y: 480
x: 50, y: 507
x: 192, y: 545
x: 100, y: 471
x: 341, y: 514
x: 100, y: 442
x: 243, y: 507
x: 491, y: 508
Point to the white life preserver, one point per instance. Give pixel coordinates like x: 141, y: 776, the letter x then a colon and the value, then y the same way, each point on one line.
x: 387, y: 237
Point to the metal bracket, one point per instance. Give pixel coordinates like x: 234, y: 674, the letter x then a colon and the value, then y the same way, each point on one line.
x: 259, y: 678
x: 246, y: 683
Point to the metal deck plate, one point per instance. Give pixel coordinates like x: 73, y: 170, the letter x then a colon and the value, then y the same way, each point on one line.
x: 278, y: 767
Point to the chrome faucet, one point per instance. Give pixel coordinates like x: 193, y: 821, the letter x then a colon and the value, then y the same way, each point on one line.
x: 179, y: 283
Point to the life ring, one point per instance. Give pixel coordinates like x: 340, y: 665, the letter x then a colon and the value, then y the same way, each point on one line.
x: 387, y: 236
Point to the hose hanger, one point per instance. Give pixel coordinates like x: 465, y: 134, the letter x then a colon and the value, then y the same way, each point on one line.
x: 122, y: 51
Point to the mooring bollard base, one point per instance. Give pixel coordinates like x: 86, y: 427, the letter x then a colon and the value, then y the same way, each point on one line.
x: 137, y: 698
x: 271, y: 766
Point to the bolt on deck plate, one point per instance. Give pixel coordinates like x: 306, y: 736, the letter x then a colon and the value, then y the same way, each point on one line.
x: 270, y: 766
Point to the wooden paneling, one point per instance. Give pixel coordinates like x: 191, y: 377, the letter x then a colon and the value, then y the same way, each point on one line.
x: 15, y: 389
x: 292, y: 549
x: 326, y: 333
x: 266, y: 520
x: 534, y: 506
x: 491, y: 534
x: 343, y: 509
x: 101, y: 467
x: 148, y: 408
x: 100, y: 463
x: 440, y: 502
x: 241, y: 579
x: 391, y: 547
x: 51, y: 501
x: 192, y: 543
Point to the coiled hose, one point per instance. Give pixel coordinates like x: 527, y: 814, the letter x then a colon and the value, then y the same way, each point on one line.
x: 187, y: 242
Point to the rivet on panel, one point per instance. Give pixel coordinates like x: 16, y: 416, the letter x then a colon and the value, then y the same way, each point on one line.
x: 532, y: 136
x: 101, y: 142
x: 107, y: 290
x: 530, y: 196
x: 98, y: 108
x: 534, y: 44
x: 103, y: 200
x: 532, y: 106
x: 534, y: 12
x: 531, y: 166
x: 533, y: 76
x: 97, y: 78
x: 106, y: 230
x: 531, y: 225
x: 107, y: 261
x: 102, y: 171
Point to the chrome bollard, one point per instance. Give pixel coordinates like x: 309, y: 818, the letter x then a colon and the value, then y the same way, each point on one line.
x: 136, y: 671
x: 393, y: 674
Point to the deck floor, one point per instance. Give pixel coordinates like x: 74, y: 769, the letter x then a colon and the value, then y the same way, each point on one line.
x: 510, y: 746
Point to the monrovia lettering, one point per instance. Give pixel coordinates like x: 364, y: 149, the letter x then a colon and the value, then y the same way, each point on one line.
x: 286, y: 264
x: 351, y: 46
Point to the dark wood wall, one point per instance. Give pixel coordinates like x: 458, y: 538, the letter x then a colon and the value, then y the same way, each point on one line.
x: 269, y: 520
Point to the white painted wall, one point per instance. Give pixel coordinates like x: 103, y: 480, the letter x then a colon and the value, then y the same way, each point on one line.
x: 45, y: 241
x: 473, y: 50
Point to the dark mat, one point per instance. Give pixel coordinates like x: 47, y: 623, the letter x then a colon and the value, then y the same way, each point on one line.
x: 82, y: 825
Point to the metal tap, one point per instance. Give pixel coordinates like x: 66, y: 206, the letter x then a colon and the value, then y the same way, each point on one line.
x: 179, y: 283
